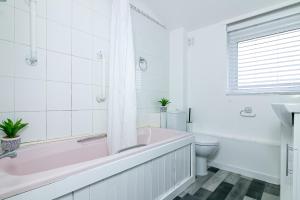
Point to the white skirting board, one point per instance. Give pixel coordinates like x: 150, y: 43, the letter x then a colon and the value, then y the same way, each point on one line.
x: 246, y: 172
x: 250, y: 158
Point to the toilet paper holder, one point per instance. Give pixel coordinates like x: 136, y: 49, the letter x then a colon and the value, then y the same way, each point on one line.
x: 247, y: 112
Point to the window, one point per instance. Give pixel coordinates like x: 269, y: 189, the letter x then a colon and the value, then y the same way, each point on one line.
x: 265, y: 57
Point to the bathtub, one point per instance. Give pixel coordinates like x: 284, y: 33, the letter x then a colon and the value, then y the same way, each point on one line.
x: 68, y: 169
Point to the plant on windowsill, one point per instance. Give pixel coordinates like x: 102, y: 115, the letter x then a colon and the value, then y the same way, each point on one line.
x: 164, y: 104
x: 12, y: 140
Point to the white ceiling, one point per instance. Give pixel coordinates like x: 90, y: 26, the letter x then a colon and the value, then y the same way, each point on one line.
x: 193, y: 14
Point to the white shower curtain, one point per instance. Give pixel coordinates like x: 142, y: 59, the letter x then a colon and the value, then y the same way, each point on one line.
x: 122, y: 92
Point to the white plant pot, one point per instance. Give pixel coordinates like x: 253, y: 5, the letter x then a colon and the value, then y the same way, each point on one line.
x: 10, y: 144
x: 163, y: 109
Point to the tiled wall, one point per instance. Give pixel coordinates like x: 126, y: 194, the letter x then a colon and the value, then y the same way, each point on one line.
x: 151, y: 43
x: 58, y: 96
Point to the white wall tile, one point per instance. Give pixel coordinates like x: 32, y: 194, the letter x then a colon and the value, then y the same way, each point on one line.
x: 97, y: 91
x: 41, y: 32
x: 41, y: 6
x: 58, y: 67
x: 58, y: 37
x: 102, y: 45
x: 82, y: 122
x: 7, y: 115
x: 24, y: 70
x: 22, y: 29
x: 148, y: 118
x: 7, y: 22
x: 85, y: 3
x: 81, y: 17
x: 58, y: 124
x: 6, y: 94
x: 97, y: 73
x: 7, y: 60
x: 58, y: 96
x: 22, y: 4
x: 82, y: 44
x: 81, y: 70
x: 9, y: 3
x: 60, y: 11
x: 103, y: 6
x: 30, y: 95
x: 36, y: 130
x: 99, y: 121
x: 101, y: 26
x: 81, y: 96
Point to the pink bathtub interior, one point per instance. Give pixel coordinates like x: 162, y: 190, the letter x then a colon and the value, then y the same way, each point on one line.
x: 44, y: 157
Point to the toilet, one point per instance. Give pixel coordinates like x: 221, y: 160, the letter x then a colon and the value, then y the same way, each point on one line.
x: 205, y: 146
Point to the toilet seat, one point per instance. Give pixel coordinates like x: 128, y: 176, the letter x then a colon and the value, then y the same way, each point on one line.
x: 205, y: 140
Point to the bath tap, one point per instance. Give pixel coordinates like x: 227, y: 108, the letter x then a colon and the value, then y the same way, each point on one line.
x: 10, y: 154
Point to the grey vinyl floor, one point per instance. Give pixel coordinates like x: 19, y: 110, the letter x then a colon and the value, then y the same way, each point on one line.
x: 223, y: 185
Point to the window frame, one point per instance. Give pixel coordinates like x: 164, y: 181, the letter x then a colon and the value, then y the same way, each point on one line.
x: 232, y: 54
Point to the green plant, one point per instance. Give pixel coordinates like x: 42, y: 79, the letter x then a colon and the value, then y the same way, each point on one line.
x: 10, y: 128
x: 164, y: 102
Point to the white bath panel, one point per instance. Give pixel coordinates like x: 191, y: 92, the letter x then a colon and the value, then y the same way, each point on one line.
x: 66, y: 197
x: 98, y: 191
x: 148, y: 184
x: 149, y: 181
x: 82, y: 194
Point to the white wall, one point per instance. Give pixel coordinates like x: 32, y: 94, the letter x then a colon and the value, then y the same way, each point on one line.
x: 178, y: 68
x: 249, y: 145
x: 58, y: 96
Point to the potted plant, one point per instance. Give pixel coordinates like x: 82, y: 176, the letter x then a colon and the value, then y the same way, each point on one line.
x: 11, y: 141
x: 164, y: 103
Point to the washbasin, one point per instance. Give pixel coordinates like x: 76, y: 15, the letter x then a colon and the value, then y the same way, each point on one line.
x: 284, y: 112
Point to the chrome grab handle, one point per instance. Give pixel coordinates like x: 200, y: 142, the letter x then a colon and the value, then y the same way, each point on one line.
x: 92, y: 138
x: 132, y: 147
x: 287, y: 170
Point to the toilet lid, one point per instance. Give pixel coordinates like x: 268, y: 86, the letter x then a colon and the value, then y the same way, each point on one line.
x: 205, y: 140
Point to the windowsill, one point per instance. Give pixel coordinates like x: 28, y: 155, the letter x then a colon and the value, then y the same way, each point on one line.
x: 245, y: 93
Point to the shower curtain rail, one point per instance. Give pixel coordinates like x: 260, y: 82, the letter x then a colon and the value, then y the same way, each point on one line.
x: 136, y: 9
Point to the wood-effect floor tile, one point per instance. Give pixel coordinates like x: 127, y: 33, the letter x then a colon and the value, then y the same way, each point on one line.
x: 189, y: 197
x: 239, y: 190
x: 221, y: 192
x: 224, y: 185
x: 272, y: 189
x: 215, y: 180
x: 232, y: 178
x: 202, y: 194
x: 200, y: 180
x: 248, y: 198
x: 256, y: 189
x: 267, y: 196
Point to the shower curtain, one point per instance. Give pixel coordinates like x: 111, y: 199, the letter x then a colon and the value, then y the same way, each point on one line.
x: 121, y: 131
